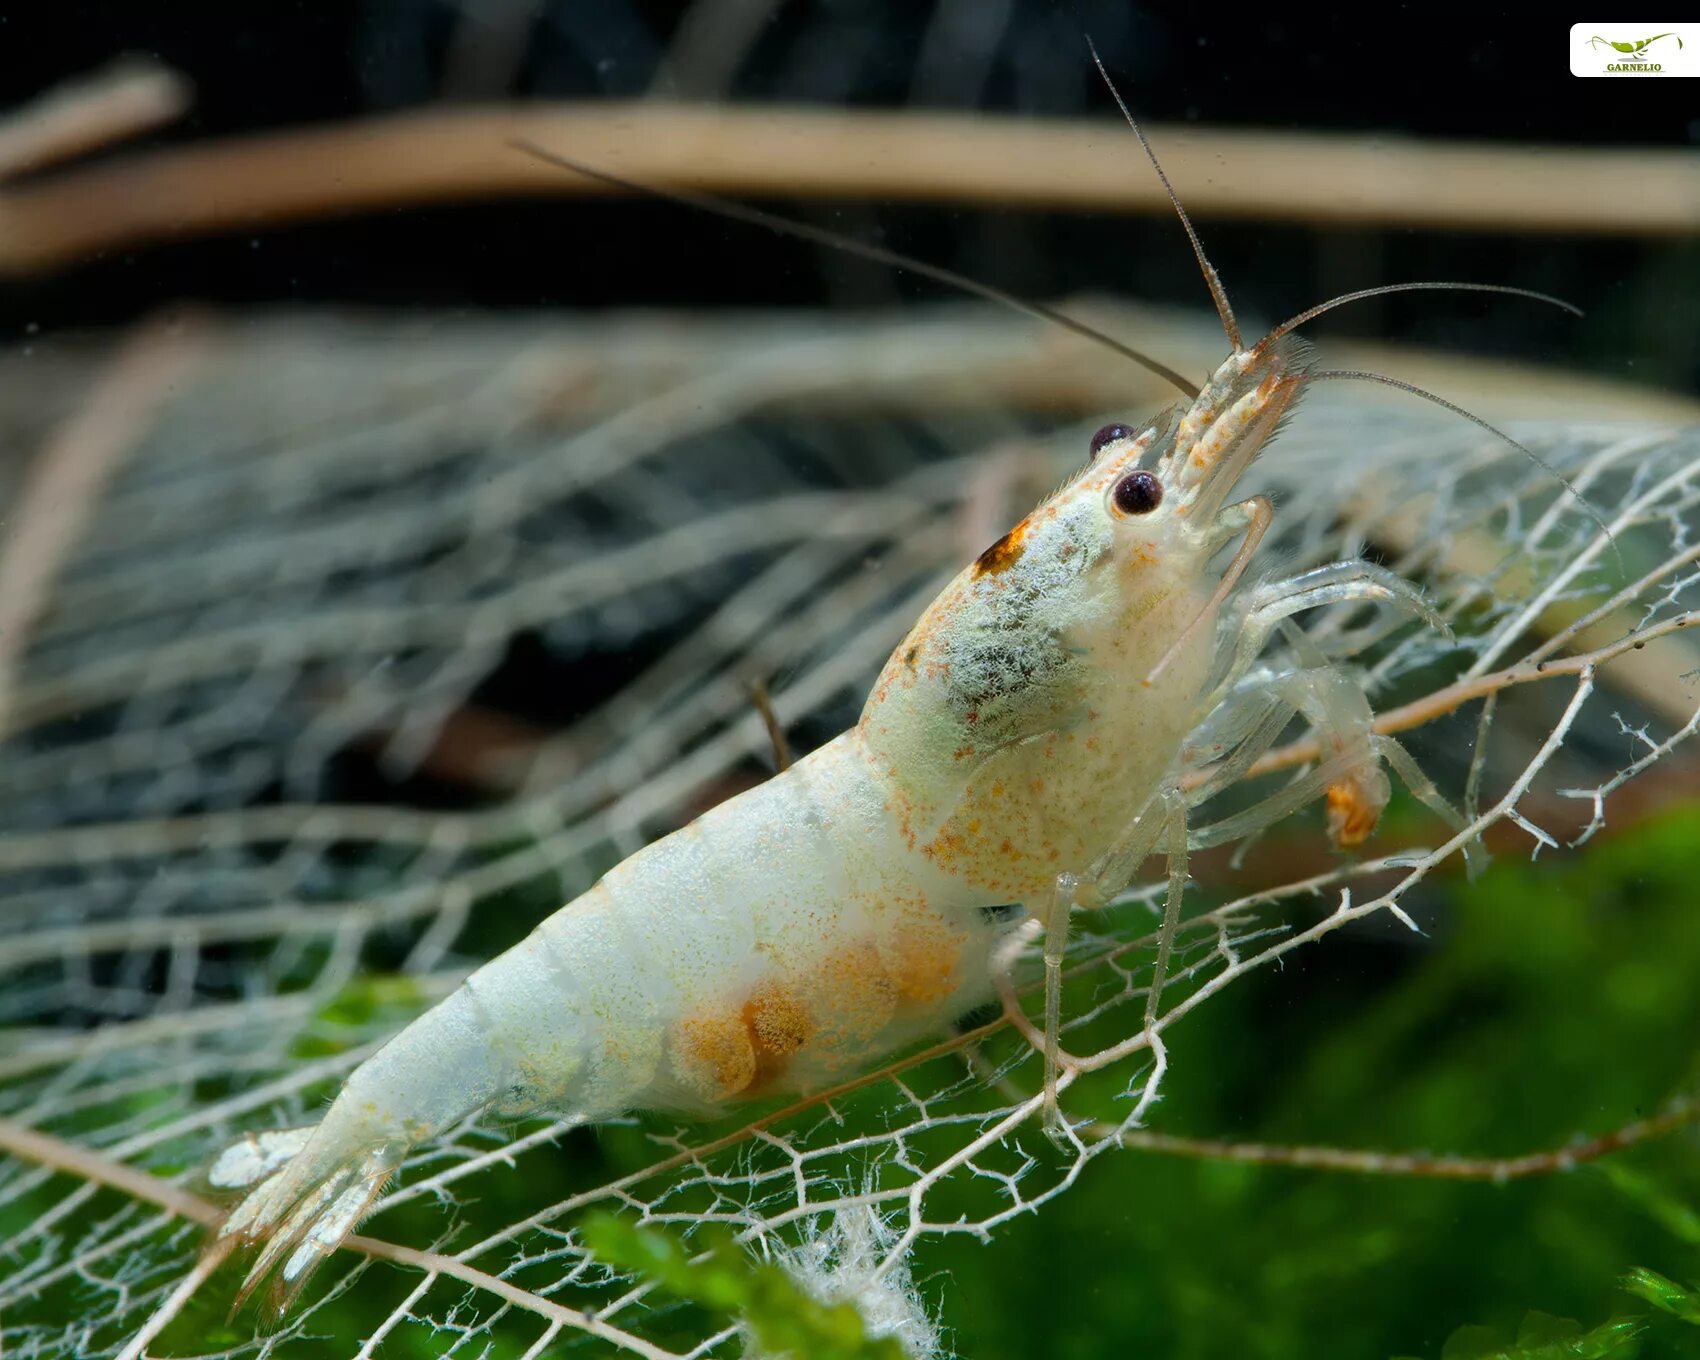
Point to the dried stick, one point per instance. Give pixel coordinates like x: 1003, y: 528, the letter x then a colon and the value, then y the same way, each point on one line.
x: 1366, y: 1161
x: 96, y: 1168
x: 68, y: 475
x: 1424, y: 1165
x: 82, y: 115
x: 459, y: 154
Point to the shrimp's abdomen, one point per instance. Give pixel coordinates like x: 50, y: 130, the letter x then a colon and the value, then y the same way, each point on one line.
x: 777, y: 943
x: 787, y: 937
x: 780, y: 942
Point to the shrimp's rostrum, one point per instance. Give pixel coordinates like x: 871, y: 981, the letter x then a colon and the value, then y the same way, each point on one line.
x: 1041, y: 730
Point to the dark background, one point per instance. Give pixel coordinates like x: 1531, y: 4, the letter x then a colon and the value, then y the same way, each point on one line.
x: 1395, y: 71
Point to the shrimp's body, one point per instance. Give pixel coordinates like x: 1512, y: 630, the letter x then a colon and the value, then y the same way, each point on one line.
x: 847, y: 906
x: 1027, y: 744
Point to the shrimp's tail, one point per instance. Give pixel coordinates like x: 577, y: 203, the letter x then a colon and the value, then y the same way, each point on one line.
x: 300, y: 1213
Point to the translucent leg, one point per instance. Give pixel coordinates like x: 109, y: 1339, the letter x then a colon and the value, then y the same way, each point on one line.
x: 1423, y: 789
x: 1063, y: 895
x: 1234, y: 746
x: 1285, y: 801
x: 1161, y: 823
x: 1350, y: 774
x: 1174, y: 842
x: 1278, y: 600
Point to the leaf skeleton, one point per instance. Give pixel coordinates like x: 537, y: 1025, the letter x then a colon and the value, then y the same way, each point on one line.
x: 1045, y: 727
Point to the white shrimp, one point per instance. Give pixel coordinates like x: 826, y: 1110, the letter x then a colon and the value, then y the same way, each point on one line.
x: 1025, y: 743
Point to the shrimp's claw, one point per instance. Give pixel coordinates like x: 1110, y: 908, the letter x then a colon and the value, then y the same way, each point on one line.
x: 300, y: 1215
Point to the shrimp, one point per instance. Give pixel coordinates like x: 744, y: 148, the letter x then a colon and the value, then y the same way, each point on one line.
x: 1026, y: 743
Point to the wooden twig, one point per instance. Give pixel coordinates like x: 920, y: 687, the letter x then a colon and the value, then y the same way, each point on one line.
x: 64, y: 484
x: 770, y: 720
x: 93, y: 111
x: 1367, y: 1162
x: 96, y: 1168
x: 455, y: 155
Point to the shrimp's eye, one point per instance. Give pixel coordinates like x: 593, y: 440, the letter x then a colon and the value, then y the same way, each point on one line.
x: 1138, y: 493
x: 1108, y: 435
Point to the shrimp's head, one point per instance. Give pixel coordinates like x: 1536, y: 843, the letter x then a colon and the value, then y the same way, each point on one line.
x: 1044, y: 692
x: 1161, y: 494
x: 1228, y: 424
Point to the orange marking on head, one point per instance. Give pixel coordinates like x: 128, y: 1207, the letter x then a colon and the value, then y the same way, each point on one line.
x: 1003, y: 554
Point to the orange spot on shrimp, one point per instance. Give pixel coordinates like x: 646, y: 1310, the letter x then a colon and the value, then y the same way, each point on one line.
x: 1003, y: 554
x: 854, y: 996
x: 945, y: 849
x: 713, y: 1055
x: 1351, y: 817
x: 778, y: 1025
x: 920, y: 952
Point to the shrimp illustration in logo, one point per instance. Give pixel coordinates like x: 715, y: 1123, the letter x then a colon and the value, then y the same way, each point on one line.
x: 1634, y: 50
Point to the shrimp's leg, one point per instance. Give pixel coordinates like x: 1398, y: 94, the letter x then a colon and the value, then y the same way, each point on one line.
x: 1162, y: 822
x: 1423, y: 789
x: 1174, y: 827
x: 1349, y: 776
x: 1333, y: 584
x: 1063, y: 896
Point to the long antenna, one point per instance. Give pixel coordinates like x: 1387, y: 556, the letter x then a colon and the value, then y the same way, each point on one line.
x: 1311, y: 313
x: 1217, y: 293
x: 1362, y: 375
x: 822, y: 236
